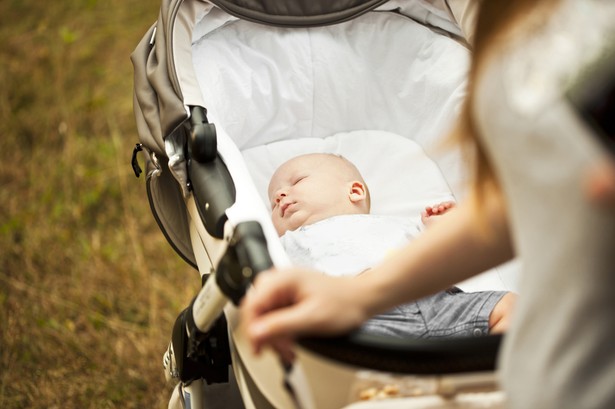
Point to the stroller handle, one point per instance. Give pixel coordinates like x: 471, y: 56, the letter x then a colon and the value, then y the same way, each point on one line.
x: 409, y: 356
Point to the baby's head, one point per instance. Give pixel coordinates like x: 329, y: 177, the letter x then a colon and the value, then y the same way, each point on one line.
x: 313, y: 187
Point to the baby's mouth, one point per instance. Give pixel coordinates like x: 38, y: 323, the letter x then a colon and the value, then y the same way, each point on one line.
x: 285, y: 207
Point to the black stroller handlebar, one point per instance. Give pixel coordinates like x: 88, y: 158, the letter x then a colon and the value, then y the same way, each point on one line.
x: 409, y: 356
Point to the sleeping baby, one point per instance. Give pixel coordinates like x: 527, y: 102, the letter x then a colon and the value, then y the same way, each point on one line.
x: 321, y: 210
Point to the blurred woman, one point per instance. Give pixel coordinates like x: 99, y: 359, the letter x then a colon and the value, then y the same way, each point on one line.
x: 533, y: 153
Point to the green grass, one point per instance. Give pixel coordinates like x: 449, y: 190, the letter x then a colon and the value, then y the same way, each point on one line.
x: 89, y: 288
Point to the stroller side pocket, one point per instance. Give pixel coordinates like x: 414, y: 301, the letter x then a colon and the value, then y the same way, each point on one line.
x: 168, y: 207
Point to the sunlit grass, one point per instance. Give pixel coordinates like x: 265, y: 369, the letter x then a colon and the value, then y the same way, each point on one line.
x: 89, y: 288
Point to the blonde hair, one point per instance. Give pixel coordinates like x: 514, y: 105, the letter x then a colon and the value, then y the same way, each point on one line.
x: 495, y: 20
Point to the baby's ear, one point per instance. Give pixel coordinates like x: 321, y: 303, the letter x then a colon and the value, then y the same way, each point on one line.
x: 357, y: 192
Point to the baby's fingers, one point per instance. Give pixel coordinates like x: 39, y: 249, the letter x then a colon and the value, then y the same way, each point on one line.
x: 440, y: 208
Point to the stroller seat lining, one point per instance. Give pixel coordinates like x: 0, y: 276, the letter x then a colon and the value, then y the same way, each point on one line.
x: 378, y: 71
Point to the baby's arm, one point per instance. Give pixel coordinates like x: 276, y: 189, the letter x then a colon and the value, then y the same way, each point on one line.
x: 431, y: 213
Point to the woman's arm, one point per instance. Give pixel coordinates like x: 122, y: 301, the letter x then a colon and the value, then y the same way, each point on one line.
x: 466, y: 242
x: 288, y: 303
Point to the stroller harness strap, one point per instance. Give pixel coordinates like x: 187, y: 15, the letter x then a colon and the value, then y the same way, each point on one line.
x: 297, y: 13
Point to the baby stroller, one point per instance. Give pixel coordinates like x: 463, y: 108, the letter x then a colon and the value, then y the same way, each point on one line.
x: 227, y: 90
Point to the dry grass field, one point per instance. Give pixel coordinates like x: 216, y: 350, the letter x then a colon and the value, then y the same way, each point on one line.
x: 89, y: 288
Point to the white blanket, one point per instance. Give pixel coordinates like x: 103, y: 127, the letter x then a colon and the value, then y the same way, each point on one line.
x: 362, y: 241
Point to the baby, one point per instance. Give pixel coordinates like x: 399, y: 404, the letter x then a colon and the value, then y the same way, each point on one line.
x: 321, y: 209
x: 313, y: 187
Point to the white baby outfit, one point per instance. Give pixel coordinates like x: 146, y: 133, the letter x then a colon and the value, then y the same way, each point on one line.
x: 361, y: 241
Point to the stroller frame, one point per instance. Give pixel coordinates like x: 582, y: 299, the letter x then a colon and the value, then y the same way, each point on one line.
x: 191, y: 194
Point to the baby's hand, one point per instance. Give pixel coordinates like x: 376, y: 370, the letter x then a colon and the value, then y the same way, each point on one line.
x: 432, y: 212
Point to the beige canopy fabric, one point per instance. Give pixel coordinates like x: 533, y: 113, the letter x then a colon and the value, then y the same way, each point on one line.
x: 300, y: 13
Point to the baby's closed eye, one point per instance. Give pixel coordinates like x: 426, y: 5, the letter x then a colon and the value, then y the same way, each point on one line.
x: 299, y: 179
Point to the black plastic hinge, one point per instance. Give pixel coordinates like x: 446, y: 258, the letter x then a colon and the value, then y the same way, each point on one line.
x: 201, y: 355
x: 203, y: 136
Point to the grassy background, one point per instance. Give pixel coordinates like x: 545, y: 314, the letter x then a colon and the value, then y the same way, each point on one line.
x: 89, y: 288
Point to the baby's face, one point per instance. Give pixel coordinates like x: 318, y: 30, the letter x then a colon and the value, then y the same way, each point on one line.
x: 307, y: 189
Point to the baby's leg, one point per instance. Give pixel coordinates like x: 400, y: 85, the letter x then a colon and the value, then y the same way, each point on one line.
x: 455, y: 313
x: 500, y: 316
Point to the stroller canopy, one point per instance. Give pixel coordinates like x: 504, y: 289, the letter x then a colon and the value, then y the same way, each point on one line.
x: 297, y: 13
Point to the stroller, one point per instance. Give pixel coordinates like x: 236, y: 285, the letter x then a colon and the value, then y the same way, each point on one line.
x: 227, y: 90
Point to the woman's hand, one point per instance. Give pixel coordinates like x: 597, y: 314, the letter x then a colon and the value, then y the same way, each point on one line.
x: 284, y: 304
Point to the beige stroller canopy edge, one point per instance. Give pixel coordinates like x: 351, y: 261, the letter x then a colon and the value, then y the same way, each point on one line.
x: 300, y: 13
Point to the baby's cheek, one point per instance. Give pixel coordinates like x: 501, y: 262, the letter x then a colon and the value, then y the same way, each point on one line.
x: 277, y: 221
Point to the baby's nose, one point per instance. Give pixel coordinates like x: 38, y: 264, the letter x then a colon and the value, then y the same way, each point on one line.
x: 279, y: 196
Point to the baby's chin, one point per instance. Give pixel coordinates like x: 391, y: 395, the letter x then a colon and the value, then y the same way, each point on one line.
x: 290, y: 223
x: 282, y: 229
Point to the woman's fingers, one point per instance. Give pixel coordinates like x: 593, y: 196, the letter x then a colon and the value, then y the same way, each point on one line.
x: 271, y: 290
x: 282, y: 324
x: 271, y: 309
x: 285, y: 304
